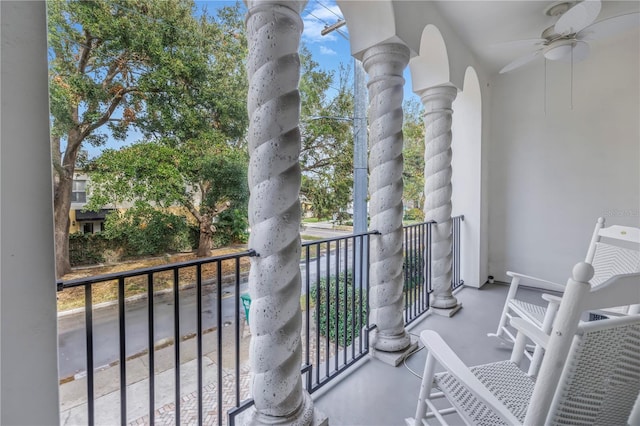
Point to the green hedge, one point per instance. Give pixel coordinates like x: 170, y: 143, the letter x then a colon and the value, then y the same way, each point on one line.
x: 353, y: 320
x: 87, y: 249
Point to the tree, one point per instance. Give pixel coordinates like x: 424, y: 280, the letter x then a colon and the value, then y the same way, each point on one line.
x: 204, y: 176
x: 119, y: 64
x: 413, y: 153
x: 326, y: 156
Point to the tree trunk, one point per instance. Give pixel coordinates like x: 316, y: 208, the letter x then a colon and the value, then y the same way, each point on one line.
x: 61, y: 206
x: 206, y: 232
x: 62, y: 203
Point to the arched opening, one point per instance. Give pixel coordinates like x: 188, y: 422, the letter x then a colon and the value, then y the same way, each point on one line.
x: 467, y: 173
x: 431, y: 66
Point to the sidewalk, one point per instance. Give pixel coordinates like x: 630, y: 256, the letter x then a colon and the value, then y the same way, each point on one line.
x: 73, y: 404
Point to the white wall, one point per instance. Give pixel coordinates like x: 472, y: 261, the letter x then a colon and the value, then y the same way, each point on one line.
x: 28, y: 337
x: 467, y: 176
x: 552, y: 174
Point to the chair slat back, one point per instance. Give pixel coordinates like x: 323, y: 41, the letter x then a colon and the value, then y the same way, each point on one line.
x: 601, y: 378
x: 610, y: 260
x: 579, y: 297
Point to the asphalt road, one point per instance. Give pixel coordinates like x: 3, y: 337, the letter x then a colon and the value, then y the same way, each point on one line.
x: 72, y: 334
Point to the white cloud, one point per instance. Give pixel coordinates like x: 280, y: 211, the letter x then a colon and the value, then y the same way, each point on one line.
x: 316, y: 19
x: 326, y: 51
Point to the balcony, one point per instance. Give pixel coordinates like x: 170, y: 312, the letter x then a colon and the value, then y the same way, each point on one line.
x: 202, y: 307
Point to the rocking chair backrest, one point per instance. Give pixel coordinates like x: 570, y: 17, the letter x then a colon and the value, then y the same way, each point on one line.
x: 618, y: 253
x: 579, y: 297
x: 601, y: 378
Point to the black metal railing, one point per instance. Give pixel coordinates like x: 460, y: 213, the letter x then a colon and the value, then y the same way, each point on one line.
x: 417, y: 270
x: 336, y: 283
x: 417, y: 266
x: 205, y: 297
x: 456, y: 279
x: 213, y: 282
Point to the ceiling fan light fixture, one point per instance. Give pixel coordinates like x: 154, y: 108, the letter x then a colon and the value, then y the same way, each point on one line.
x: 567, y: 50
x: 558, y: 50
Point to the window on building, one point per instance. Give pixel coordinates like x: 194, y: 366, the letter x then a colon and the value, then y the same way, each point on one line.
x: 79, y: 191
x: 87, y: 228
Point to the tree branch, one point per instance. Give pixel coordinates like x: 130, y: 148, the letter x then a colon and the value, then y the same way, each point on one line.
x: 115, y: 101
x: 114, y: 69
x: 192, y: 209
x: 220, y: 207
x: 86, y: 52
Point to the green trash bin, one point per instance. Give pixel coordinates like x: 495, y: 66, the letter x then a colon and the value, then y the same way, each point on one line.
x: 246, y: 302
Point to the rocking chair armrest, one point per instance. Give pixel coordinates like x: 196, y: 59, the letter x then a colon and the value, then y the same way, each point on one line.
x: 527, y: 328
x: 454, y: 365
x: 538, y: 282
x: 552, y: 298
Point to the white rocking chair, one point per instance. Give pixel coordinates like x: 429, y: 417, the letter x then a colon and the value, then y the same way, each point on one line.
x: 590, y: 373
x: 613, y: 251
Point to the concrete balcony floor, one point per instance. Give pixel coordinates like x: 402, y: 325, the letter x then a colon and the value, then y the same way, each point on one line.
x: 374, y: 393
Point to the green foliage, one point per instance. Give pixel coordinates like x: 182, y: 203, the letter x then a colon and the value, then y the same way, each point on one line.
x: 207, y: 178
x: 152, y: 65
x: 148, y: 231
x: 87, y: 249
x: 232, y: 227
x: 326, y: 157
x: 352, y: 319
x: 414, y: 214
x: 142, y: 63
x: 413, y: 153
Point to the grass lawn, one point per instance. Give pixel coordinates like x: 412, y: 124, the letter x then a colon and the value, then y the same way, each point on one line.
x: 74, y: 297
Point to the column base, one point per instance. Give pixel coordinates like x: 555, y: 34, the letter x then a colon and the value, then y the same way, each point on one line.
x: 446, y: 312
x: 395, y: 358
x: 306, y: 415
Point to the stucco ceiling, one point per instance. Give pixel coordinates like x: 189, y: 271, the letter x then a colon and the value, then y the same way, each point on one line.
x: 481, y: 24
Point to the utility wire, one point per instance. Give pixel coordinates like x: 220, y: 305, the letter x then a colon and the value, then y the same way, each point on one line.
x: 329, y: 9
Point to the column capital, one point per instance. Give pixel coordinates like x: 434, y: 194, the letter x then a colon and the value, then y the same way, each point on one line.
x: 295, y: 5
x: 438, y: 98
x: 388, y: 58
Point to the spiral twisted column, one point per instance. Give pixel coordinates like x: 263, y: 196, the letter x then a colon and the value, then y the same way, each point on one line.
x: 437, y: 103
x: 384, y: 64
x: 273, y: 68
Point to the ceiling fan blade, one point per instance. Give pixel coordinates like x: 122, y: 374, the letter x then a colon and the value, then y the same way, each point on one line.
x: 610, y: 27
x: 578, y: 17
x: 523, y: 60
x: 518, y: 44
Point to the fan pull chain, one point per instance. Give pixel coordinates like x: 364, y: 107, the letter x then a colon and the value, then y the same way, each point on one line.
x: 545, y: 87
x: 572, y: 77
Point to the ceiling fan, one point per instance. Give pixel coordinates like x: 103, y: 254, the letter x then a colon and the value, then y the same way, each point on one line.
x: 567, y: 40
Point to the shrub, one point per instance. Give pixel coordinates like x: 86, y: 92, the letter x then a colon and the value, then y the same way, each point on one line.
x: 148, y: 231
x: 232, y: 227
x: 414, y: 214
x: 416, y: 263
x: 353, y: 321
x: 86, y: 249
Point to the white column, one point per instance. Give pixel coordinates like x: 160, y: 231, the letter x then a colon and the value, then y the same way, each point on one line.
x: 437, y: 103
x: 28, y: 334
x: 384, y: 64
x: 273, y: 67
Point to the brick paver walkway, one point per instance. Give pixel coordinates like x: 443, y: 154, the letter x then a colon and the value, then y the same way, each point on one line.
x: 166, y: 415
